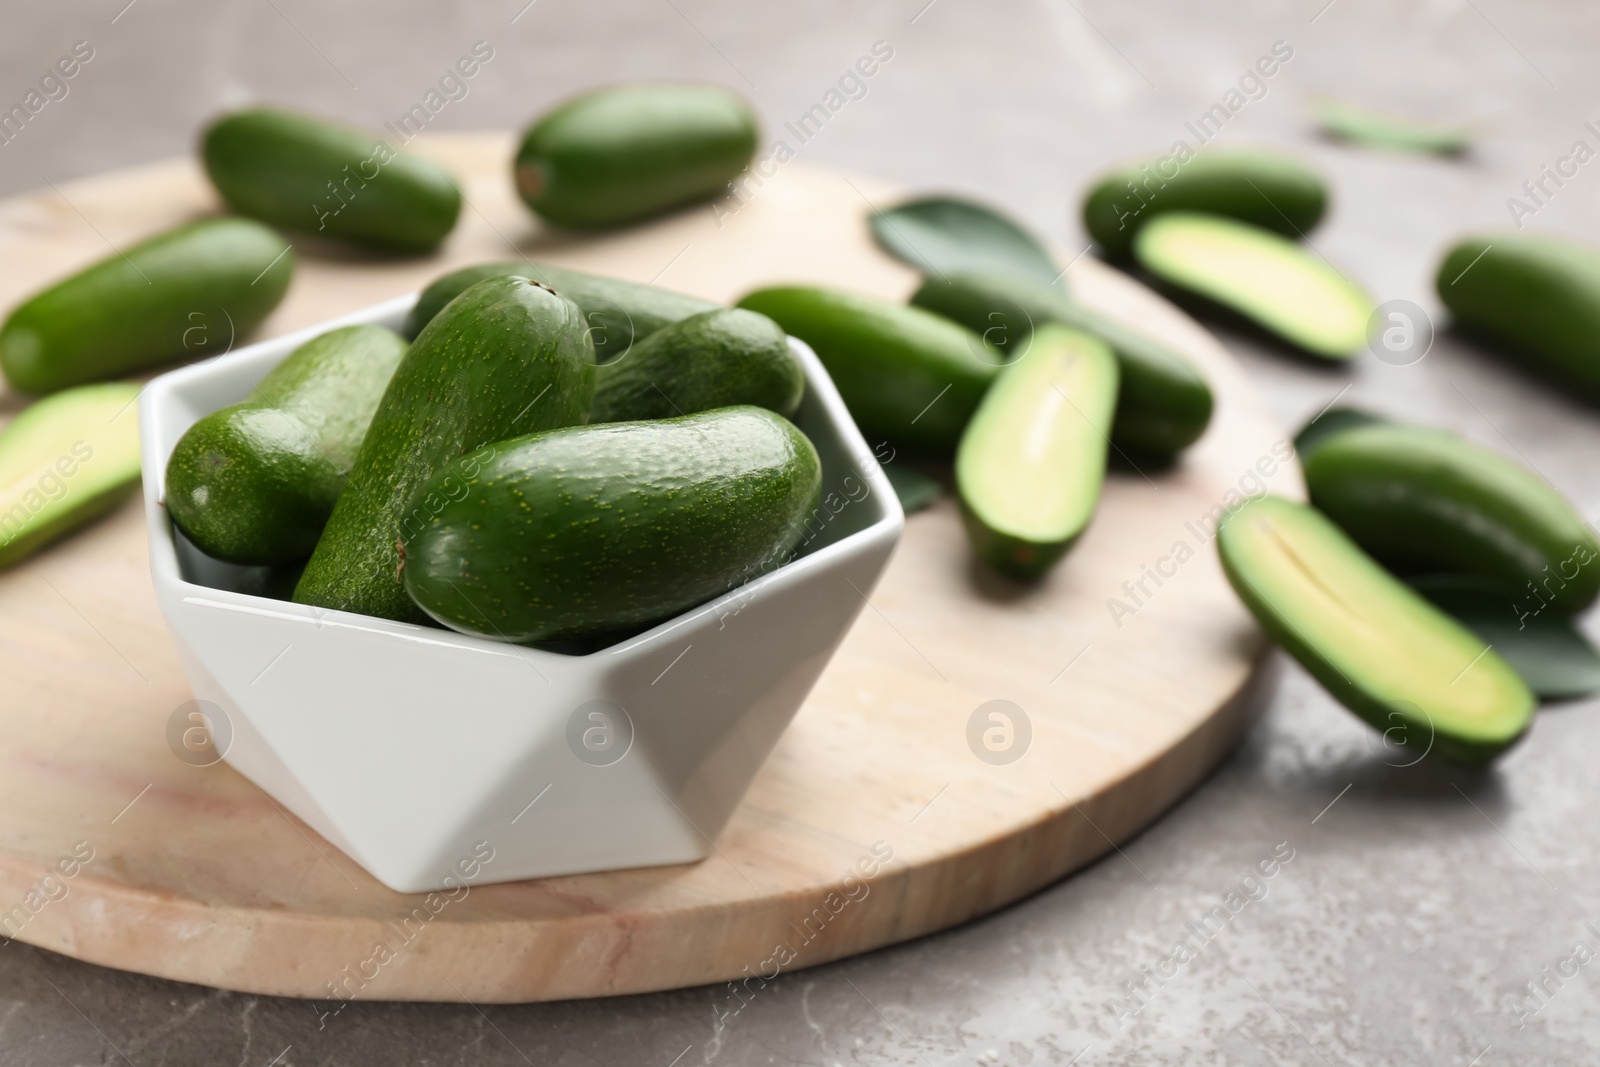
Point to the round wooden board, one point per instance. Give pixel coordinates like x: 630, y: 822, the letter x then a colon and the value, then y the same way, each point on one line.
x: 197, y: 875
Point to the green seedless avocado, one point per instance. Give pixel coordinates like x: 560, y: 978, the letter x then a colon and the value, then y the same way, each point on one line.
x: 1267, y: 279
x: 1164, y: 403
x: 1427, y: 501
x: 1376, y: 645
x: 505, y: 358
x: 64, y: 461
x: 597, y: 529
x: 618, y: 312
x: 716, y: 359
x: 310, y: 175
x: 188, y: 293
x: 254, y: 483
x: 907, y: 375
x: 1534, y: 296
x: 624, y: 153
x: 1328, y: 424
x: 1266, y: 188
x: 1033, y: 458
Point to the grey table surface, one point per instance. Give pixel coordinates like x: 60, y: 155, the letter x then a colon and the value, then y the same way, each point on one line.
x: 1419, y: 903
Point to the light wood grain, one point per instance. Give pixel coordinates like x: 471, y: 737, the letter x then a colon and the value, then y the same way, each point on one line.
x: 197, y: 875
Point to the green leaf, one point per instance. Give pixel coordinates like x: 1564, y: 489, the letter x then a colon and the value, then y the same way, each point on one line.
x: 1552, y: 655
x: 915, y: 489
x: 1328, y: 423
x: 1380, y: 129
x: 942, y: 235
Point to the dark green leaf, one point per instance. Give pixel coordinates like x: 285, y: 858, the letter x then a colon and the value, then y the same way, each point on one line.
x: 941, y: 235
x: 1552, y: 655
x: 1379, y: 129
x: 915, y: 489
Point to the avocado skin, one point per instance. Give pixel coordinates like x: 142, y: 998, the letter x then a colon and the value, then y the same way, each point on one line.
x: 1329, y: 424
x: 716, y: 359
x: 618, y: 312
x: 185, y: 294
x: 598, y: 529
x: 1427, y: 501
x: 254, y: 483
x: 907, y: 375
x: 1533, y: 296
x: 1164, y: 404
x: 624, y: 153
x: 1271, y: 189
x: 505, y: 358
x: 310, y: 175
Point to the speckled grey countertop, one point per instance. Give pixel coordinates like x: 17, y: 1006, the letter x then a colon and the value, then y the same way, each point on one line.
x: 1418, y: 904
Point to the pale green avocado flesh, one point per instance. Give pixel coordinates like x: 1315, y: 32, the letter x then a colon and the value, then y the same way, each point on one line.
x: 1270, y: 280
x: 1032, y: 460
x: 64, y: 461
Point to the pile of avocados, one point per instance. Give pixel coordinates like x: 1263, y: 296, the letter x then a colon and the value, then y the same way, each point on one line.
x: 553, y: 458
x: 492, y: 476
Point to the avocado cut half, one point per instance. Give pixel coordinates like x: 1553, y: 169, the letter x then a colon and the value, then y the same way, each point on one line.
x: 1426, y: 501
x: 1032, y: 460
x: 1374, y: 643
x: 64, y: 461
x: 1268, y: 279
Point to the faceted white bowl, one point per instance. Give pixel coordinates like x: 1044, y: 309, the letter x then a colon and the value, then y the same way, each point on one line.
x: 418, y: 751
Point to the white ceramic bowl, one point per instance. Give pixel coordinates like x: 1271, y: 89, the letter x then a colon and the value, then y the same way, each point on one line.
x: 415, y: 749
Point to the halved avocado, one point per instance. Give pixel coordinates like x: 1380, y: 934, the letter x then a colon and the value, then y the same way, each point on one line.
x: 68, y: 459
x: 1375, y: 644
x: 1032, y: 459
x: 1268, y: 279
